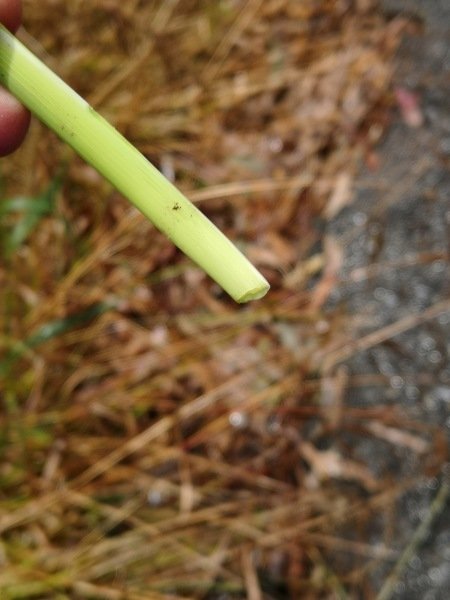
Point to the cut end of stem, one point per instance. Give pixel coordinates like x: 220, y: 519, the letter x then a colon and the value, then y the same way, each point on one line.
x: 255, y: 293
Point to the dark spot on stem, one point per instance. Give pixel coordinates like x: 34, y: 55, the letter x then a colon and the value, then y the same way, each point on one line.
x: 176, y: 206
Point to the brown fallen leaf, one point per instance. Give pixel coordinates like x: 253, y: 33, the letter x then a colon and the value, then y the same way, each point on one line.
x: 332, y: 389
x: 340, y: 197
x: 408, y: 104
x: 330, y: 464
x: 334, y: 257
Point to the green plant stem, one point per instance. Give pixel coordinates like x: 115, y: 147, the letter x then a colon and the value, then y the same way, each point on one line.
x: 97, y: 142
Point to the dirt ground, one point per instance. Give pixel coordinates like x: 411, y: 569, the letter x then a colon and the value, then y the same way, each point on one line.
x: 402, y: 217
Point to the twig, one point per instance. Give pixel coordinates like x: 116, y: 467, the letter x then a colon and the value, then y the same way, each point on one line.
x: 333, y: 356
x: 417, y: 539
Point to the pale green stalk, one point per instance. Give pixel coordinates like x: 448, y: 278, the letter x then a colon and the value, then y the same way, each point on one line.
x: 94, y: 139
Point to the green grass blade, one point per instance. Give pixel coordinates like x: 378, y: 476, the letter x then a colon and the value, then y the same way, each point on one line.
x: 51, y: 330
x: 30, y: 210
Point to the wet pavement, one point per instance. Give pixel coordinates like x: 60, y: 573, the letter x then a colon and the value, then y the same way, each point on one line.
x: 396, y: 235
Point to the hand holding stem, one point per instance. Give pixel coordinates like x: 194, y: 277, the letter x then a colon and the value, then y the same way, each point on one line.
x: 14, y: 118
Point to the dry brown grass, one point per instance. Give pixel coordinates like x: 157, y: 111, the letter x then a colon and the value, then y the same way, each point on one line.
x: 157, y: 440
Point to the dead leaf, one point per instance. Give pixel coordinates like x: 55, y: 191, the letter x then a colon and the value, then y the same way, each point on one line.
x: 334, y: 257
x: 340, y: 197
x: 408, y: 104
x: 329, y: 464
